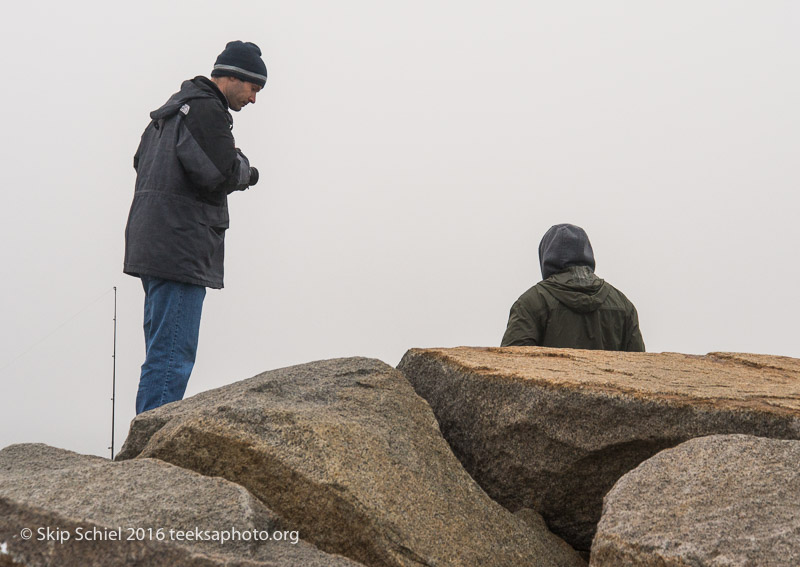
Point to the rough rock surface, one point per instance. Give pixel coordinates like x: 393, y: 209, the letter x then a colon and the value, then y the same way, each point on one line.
x: 82, y: 497
x: 354, y: 459
x: 730, y: 500
x: 554, y: 429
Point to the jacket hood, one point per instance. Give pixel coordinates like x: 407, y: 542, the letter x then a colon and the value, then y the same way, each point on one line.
x: 563, y: 246
x: 578, y: 288
x: 199, y: 87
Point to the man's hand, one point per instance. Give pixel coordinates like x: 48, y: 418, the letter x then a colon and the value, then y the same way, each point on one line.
x: 253, y: 171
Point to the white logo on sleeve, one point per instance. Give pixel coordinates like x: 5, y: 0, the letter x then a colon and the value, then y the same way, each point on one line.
x: 184, y: 109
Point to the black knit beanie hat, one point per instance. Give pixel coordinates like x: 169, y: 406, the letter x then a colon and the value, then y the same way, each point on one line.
x: 243, y: 61
x: 562, y: 246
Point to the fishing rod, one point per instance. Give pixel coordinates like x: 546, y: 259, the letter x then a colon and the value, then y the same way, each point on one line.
x: 114, y: 375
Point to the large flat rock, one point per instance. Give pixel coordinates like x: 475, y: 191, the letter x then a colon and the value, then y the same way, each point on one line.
x: 354, y: 459
x: 554, y: 429
x: 83, y: 511
x: 721, y: 500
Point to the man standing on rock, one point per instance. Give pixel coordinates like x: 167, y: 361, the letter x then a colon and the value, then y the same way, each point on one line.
x: 186, y: 166
x: 571, y: 307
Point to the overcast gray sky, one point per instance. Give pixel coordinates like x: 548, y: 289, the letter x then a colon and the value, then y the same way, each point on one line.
x: 412, y: 154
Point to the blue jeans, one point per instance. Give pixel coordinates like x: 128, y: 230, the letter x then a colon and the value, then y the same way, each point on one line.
x: 171, y: 330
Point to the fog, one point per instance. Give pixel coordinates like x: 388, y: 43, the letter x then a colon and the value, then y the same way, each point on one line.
x: 411, y: 157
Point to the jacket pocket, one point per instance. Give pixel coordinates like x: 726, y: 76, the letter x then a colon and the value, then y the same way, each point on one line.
x: 215, y: 218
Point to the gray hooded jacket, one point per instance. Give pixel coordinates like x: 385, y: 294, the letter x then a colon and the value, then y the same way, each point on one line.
x: 187, y: 164
x: 572, y: 307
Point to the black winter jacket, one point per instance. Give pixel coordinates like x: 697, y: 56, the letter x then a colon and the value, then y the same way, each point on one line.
x: 187, y: 164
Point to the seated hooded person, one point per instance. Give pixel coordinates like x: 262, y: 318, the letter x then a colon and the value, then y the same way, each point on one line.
x: 571, y: 307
